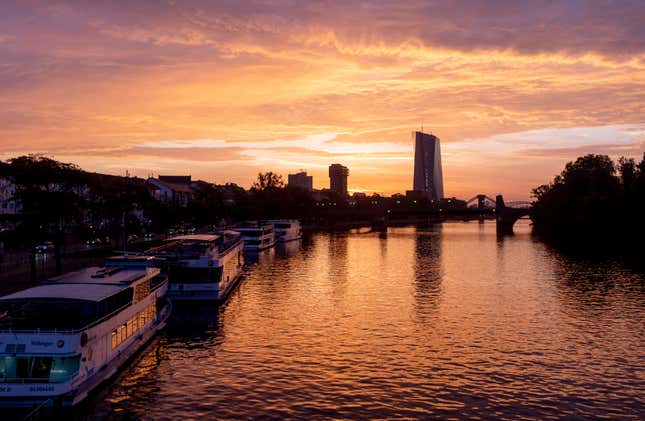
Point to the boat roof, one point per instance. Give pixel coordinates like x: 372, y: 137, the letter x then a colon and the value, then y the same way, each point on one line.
x: 195, y: 237
x: 93, y: 284
x: 113, y: 275
x: 252, y: 227
x: 130, y: 261
x: 125, y: 258
x: 66, y: 291
x: 230, y: 232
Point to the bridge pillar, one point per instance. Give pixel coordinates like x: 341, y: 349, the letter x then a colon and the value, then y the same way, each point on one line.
x: 506, y: 217
x: 481, y: 201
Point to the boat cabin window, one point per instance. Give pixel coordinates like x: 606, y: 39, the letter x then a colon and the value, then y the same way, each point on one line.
x: 58, y: 313
x: 194, y: 250
x: 157, y: 281
x: 115, y: 302
x: 141, y: 291
x: 35, y: 313
x: 134, y: 325
x: 194, y: 275
x: 38, y: 369
x: 283, y: 226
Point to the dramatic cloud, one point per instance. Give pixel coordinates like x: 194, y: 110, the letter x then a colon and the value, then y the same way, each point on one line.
x: 226, y: 89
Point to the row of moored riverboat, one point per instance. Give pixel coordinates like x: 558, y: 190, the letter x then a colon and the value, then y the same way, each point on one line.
x: 61, y: 339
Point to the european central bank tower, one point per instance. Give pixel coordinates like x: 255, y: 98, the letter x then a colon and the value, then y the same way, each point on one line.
x: 427, y: 166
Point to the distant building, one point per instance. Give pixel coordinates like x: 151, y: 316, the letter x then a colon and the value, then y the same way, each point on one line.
x: 172, y: 189
x: 320, y: 195
x: 428, y: 177
x: 302, y: 180
x: 176, y: 179
x: 9, y: 203
x: 415, y: 195
x: 452, y: 204
x: 338, y: 178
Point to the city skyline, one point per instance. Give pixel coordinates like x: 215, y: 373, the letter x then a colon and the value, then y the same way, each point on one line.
x: 228, y: 90
x: 359, y: 209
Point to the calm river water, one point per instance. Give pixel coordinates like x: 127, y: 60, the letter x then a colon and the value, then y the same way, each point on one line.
x: 442, y: 321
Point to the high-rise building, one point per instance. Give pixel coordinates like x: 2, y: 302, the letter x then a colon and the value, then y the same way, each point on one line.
x: 338, y: 178
x: 302, y: 180
x: 427, y: 166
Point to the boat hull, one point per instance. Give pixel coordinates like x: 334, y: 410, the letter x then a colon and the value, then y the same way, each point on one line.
x: 287, y: 238
x: 253, y: 247
x: 204, y: 292
x: 60, y: 395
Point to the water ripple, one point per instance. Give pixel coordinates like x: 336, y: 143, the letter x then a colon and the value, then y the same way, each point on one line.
x: 444, y: 322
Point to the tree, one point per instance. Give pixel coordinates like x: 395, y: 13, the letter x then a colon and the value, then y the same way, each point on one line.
x: 588, y: 203
x: 627, y: 169
x: 268, y: 180
x: 49, y: 192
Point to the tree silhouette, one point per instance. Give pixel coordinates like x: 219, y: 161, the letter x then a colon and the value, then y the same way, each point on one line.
x: 588, y: 204
x: 268, y: 180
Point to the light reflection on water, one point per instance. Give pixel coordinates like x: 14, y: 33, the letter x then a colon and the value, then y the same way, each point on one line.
x: 443, y: 321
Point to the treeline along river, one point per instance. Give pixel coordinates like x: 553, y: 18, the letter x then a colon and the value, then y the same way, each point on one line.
x: 443, y: 321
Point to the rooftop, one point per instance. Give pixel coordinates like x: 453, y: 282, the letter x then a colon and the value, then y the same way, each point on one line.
x: 178, y: 187
x: 180, y: 179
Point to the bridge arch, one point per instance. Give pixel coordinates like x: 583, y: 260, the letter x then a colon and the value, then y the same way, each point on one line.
x: 506, y: 216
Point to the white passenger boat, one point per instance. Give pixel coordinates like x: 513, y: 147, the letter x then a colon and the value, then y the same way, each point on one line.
x: 201, y: 266
x: 286, y: 230
x: 257, y: 235
x: 61, y: 339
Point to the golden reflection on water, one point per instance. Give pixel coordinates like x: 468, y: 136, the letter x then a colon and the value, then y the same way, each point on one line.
x: 442, y: 320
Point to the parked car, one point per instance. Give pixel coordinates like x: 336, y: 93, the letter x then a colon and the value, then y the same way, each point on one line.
x: 44, y: 247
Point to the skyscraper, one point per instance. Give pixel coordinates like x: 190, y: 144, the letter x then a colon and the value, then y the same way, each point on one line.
x: 427, y: 166
x: 338, y: 178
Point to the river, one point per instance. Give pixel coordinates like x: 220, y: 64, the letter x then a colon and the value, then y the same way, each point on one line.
x: 438, y: 321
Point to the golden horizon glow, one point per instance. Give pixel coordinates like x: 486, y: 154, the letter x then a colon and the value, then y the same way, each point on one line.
x: 227, y: 90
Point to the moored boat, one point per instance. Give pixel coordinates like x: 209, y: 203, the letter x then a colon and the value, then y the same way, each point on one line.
x: 257, y: 235
x: 286, y: 230
x: 61, y: 339
x: 201, y: 266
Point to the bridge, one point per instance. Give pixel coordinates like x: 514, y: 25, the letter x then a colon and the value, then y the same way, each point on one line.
x: 481, y: 202
x: 505, y: 214
x: 381, y: 215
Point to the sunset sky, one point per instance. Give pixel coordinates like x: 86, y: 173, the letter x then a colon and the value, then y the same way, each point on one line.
x: 224, y: 89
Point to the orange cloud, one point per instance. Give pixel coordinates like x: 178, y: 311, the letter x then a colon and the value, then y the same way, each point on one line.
x: 108, y: 87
